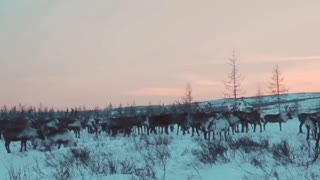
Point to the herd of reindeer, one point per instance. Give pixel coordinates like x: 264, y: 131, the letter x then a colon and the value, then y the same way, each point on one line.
x: 57, y: 131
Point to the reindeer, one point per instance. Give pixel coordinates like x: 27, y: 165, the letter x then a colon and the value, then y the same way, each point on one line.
x: 207, y: 127
x: 75, y: 126
x: 311, y: 124
x: 71, y: 122
x: 180, y: 120
x: 278, y: 118
x: 3, y: 125
x: 217, y: 125
x: 46, y: 125
x: 162, y: 120
x: 197, y: 121
x: 23, y: 135
x: 233, y: 119
x: 116, y: 124
x: 199, y: 117
x: 243, y: 119
x: 304, y: 116
x: 254, y: 117
x: 92, y: 123
x: 59, y: 137
x: 16, y: 122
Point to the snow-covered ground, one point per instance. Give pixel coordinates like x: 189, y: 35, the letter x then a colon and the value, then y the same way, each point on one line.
x: 177, y: 158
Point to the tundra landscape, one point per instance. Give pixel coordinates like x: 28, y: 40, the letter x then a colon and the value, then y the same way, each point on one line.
x: 162, y: 144
x: 159, y: 90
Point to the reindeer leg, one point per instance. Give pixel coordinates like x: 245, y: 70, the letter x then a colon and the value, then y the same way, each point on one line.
x: 280, y: 126
x: 178, y: 129
x: 25, y: 145
x: 247, y: 127
x: 264, y: 125
x: 300, y: 127
x: 242, y: 127
x: 197, y: 130
x: 166, y: 130
x: 225, y: 135
x: 213, y: 135
x: 21, y: 146
x: 204, y: 134
x: 308, y: 131
x: 7, y: 146
x: 154, y: 130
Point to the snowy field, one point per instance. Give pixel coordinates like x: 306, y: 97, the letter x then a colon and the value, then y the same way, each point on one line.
x: 270, y: 154
x: 165, y: 157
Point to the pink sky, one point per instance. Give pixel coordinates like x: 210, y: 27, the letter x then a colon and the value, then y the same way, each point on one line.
x: 75, y: 52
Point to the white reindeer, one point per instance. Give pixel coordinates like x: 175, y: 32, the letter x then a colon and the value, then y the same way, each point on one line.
x: 234, y: 122
x: 75, y: 126
x: 217, y: 126
x: 61, y: 136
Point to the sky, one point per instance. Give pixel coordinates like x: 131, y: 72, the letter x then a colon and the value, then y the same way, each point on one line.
x: 78, y: 52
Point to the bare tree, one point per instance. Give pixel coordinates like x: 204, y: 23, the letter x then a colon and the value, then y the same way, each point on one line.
x: 233, y: 83
x: 276, y: 85
x: 188, y: 98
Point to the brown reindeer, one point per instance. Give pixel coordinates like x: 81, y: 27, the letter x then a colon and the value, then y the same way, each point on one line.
x: 243, y: 119
x: 16, y: 122
x: 23, y: 135
x: 163, y: 121
x: 254, y: 117
x: 278, y: 118
x: 180, y: 119
x: 117, y: 124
